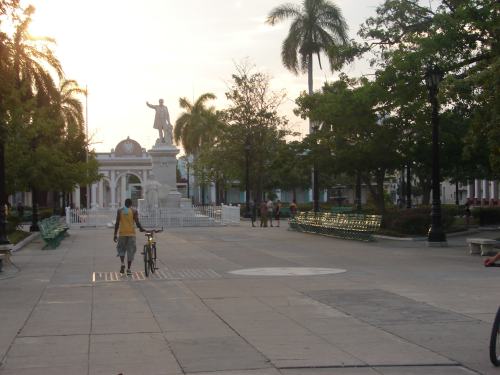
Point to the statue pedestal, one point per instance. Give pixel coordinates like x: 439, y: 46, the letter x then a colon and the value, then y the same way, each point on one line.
x: 164, y: 161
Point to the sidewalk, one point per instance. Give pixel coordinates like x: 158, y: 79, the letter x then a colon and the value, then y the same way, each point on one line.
x: 399, y: 307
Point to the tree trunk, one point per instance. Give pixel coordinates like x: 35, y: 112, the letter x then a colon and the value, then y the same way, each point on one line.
x: 380, y: 177
x: 3, y: 195
x: 408, y: 186
x: 377, y: 192
x: 358, y: 192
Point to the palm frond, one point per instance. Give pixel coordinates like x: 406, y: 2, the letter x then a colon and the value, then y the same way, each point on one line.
x: 283, y: 12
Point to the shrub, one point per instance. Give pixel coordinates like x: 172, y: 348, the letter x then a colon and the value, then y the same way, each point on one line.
x: 415, y: 221
x: 487, y: 215
x: 12, y: 222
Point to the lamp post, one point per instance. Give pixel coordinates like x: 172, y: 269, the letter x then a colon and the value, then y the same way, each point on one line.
x: 247, y: 177
x: 315, y: 176
x: 187, y: 168
x: 436, y: 235
x: 3, y: 219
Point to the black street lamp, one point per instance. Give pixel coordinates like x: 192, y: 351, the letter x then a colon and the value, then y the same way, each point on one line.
x: 247, y: 177
x: 315, y: 176
x: 3, y: 201
x: 187, y: 168
x: 34, y: 213
x: 436, y: 236
x: 315, y: 187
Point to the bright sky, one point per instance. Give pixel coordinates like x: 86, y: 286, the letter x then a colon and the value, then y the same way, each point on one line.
x: 128, y: 52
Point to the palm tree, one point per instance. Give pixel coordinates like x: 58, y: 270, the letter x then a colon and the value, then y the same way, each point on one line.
x: 196, y: 127
x: 71, y: 108
x: 31, y: 62
x: 317, y: 26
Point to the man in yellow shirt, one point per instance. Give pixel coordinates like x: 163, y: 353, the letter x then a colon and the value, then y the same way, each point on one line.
x: 125, y: 219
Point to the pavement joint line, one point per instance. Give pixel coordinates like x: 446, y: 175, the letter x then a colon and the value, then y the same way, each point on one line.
x: 308, y: 329
x: 91, y: 318
x: 2, y: 359
x: 420, y: 365
x: 268, y: 360
x: 162, y: 332
x: 385, y: 329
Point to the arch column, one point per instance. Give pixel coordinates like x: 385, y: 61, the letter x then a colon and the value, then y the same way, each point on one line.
x: 76, y: 196
x: 486, y: 192
x: 477, y: 191
x: 123, y: 189
x: 94, y: 195
x: 470, y: 191
x: 113, y: 189
x: 494, y: 191
x: 101, y: 193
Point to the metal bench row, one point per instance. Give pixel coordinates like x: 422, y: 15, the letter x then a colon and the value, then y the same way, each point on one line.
x: 52, y: 231
x: 347, y: 226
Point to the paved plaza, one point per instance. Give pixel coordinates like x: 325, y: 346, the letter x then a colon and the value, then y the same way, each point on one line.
x: 390, y: 307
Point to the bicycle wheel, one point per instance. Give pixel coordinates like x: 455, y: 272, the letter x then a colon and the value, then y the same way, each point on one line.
x: 146, y: 260
x: 150, y: 260
x: 495, y: 340
x: 153, y: 258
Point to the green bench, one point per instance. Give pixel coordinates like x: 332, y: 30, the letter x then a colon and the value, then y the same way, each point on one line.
x: 52, y: 231
x: 347, y: 226
x: 341, y: 209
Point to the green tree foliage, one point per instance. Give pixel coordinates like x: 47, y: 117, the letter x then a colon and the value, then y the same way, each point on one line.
x: 317, y: 26
x: 251, y: 127
x: 355, y: 136
x: 41, y: 121
x: 197, y: 126
x: 197, y: 129
x: 462, y: 37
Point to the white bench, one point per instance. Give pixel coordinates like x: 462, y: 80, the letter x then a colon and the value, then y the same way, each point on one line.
x: 483, y: 246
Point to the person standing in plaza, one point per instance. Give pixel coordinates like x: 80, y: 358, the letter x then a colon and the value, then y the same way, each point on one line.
x: 126, y: 217
x: 270, y: 209
x: 263, y: 214
x: 277, y: 212
x: 293, y: 209
x: 253, y: 212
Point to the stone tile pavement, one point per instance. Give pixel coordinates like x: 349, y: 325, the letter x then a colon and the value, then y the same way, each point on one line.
x: 400, y: 307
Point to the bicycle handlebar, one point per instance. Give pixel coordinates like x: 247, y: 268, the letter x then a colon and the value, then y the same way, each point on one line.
x: 149, y: 232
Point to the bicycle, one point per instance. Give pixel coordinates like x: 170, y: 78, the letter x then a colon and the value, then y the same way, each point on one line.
x: 149, y: 252
x: 495, y: 333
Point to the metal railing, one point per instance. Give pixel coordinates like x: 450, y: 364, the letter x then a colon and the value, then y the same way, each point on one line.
x: 196, y: 216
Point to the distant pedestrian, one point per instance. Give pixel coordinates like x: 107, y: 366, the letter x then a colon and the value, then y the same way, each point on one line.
x: 293, y: 208
x: 20, y: 210
x: 468, y: 214
x: 270, y: 209
x: 253, y: 212
x: 263, y: 214
x: 277, y: 212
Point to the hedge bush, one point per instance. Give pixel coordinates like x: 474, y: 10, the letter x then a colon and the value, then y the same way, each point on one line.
x: 415, y: 221
x: 486, y: 215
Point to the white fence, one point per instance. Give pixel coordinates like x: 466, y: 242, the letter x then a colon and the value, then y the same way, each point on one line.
x: 196, y: 216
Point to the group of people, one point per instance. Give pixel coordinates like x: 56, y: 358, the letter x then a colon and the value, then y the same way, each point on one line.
x: 269, y: 211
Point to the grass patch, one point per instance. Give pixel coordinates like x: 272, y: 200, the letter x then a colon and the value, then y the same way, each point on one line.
x: 17, y: 236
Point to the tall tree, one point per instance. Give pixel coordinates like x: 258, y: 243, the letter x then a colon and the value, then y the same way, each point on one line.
x: 197, y: 125
x: 195, y: 129
x: 317, y: 26
x: 462, y: 37
x: 253, y: 128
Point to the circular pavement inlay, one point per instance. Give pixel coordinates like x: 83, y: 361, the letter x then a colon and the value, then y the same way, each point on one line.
x: 287, y: 271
